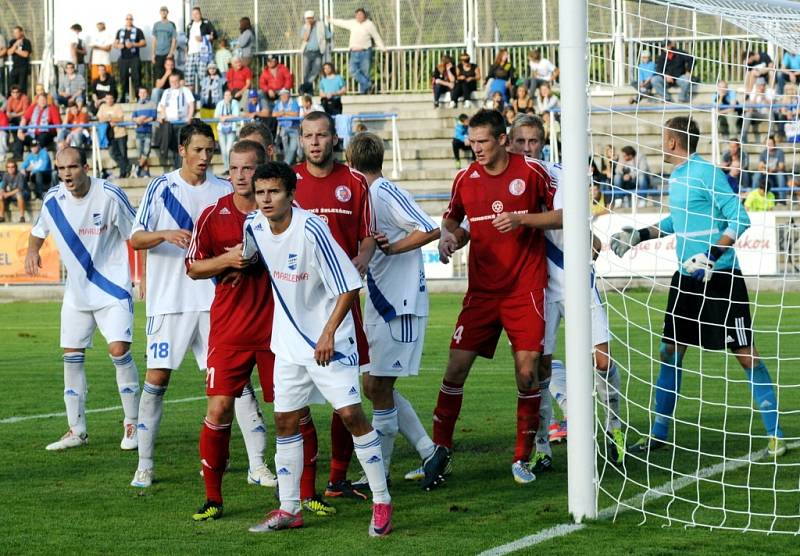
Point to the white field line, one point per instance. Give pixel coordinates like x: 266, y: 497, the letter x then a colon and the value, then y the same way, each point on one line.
x: 667, y: 489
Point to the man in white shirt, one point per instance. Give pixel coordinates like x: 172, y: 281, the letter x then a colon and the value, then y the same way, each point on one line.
x: 100, y: 43
x: 363, y: 34
x: 175, y: 109
x: 198, y: 51
x: 315, y: 286
x: 90, y: 220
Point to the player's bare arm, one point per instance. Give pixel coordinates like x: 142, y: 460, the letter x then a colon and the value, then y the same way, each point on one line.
x: 507, y: 221
x: 33, y: 262
x: 414, y: 240
x: 324, y: 350
x: 147, y: 240
x: 366, y: 248
x: 232, y: 259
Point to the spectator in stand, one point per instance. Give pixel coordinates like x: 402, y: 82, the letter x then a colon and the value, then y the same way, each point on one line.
x: 331, y: 89
x: 246, y: 41
x: 13, y: 189
x: 757, y: 64
x: 3, y: 52
x: 175, y: 110
x: 363, y: 35
x: 76, y: 52
x: 734, y: 175
x: 227, y: 109
x: 101, y: 44
x: 211, y: 87
x: 129, y: 41
x: 239, y: 79
x: 223, y: 56
x: 38, y: 89
x: 200, y: 50
x: 496, y: 102
x: 542, y: 70
x: 307, y: 106
x: 509, y: 114
x: 111, y: 112
x: 180, y: 52
x: 162, y: 83
x: 257, y: 107
x: 15, y: 107
x: 790, y: 71
x: 759, y: 199
x: 72, y: 86
x: 728, y: 109
x: 632, y: 173
x: 287, y: 111
x: 522, y: 102
x: 38, y: 169
x: 165, y: 42
x: 758, y: 110
x: 103, y: 85
x: 19, y: 48
x: 315, y: 37
x: 468, y: 75
x: 644, y: 76
x: 3, y: 134
x: 673, y: 67
x: 73, y: 137
x: 501, y: 76
x: 608, y: 163
x: 461, y: 140
x: 144, y: 115
x: 276, y: 76
x: 443, y: 80
x: 736, y: 161
x: 546, y: 101
x: 772, y: 164
x: 598, y: 206
x: 787, y: 118
x: 38, y: 114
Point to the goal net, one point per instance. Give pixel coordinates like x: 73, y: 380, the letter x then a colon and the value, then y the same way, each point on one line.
x: 709, y: 417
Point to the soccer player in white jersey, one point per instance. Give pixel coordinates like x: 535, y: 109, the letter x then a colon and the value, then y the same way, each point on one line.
x: 396, y: 308
x: 90, y: 220
x: 314, y: 339
x: 177, y: 306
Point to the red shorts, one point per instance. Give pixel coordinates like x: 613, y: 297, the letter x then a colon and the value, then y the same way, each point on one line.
x: 483, y: 318
x: 229, y: 371
x: 361, y: 338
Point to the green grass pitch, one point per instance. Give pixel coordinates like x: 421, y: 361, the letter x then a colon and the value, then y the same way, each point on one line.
x: 80, y: 502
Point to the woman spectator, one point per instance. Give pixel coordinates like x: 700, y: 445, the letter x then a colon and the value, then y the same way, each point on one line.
x: 509, y: 114
x: 522, y: 103
x: 546, y: 101
x: 608, y: 163
x: 501, y: 76
x: 331, y: 89
x: 211, y: 87
x: 246, y: 40
x: 496, y: 102
x: 227, y: 109
x: 467, y: 77
x: 162, y: 83
x: 443, y: 80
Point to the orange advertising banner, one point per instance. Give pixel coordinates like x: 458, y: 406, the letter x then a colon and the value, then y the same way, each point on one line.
x: 14, y: 246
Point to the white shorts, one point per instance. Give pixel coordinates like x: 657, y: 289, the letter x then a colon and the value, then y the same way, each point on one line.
x: 169, y: 336
x: 395, y: 347
x: 554, y: 312
x: 297, y: 386
x: 115, y: 322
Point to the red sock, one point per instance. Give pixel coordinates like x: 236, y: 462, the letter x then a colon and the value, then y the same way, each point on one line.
x: 527, y: 423
x: 214, y: 443
x: 448, y: 406
x: 308, y: 479
x: 341, y: 449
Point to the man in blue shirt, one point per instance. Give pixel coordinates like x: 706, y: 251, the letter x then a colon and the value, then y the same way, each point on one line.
x: 708, y: 305
x: 144, y: 115
x: 791, y: 71
x: 645, y: 72
x: 288, y: 112
x: 38, y: 169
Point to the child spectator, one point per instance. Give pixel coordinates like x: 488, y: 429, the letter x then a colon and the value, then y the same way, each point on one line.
x: 331, y: 89
x: 759, y: 199
x: 461, y: 140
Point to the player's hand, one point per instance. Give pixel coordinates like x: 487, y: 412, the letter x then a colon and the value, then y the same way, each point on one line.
x: 181, y: 238
x: 233, y: 278
x: 448, y: 244
x: 324, y: 350
x: 622, y: 241
x: 33, y: 262
x: 361, y: 266
x: 383, y: 243
x: 233, y: 257
x: 700, y: 266
x: 506, y: 222
x: 141, y: 288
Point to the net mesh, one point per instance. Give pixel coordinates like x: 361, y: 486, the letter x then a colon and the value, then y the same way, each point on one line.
x: 714, y: 470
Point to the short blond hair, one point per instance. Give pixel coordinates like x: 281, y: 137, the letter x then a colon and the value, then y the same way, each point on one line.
x: 365, y: 153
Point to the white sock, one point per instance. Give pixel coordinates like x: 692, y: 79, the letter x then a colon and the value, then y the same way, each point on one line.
x: 558, y: 386
x: 608, y: 385
x: 411, y: 427
x: 384, y: 421
x: 289, y: 466
x: 368, y: 451
x: 75, y: 391
x: 545, y: 416
x: 151, y: 405
x: 248, y: 415
x: 128, y: 384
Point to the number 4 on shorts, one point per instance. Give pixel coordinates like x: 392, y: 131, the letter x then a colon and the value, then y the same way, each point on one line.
x: 457, y: 334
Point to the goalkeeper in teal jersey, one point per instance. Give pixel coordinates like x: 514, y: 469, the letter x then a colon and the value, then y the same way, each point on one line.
x: 708, y: 305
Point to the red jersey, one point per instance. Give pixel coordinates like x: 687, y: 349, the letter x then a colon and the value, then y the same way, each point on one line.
x: 514, y: 262
x: 341, y: 199
x: 241, y: 316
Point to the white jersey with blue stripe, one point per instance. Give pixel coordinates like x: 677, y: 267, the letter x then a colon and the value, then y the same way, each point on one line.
x: 554, y: 241
x: 90, y: 233
x: 169, y: 203
x: 308, y: 271
x: 396, y: 283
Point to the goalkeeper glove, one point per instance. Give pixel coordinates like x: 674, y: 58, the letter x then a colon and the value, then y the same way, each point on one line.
x: 624, y: 240
x: 700, y: 266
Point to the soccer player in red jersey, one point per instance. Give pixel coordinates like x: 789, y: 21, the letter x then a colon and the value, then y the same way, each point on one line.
x: 241, y: 317
x: 502, y: 195
x: 340, y: 196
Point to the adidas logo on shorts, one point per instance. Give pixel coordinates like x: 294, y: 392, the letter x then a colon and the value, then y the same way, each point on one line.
x: 397, y: 365
x: 283, y: 471
x: 374, y: 459
x: 352, y: 391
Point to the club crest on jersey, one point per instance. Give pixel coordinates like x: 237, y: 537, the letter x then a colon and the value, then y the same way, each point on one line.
x: 343, y: 193
x: 97, y: 218
x: 292, y: 261
x: 497, y: 207
x: 516, y: 187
